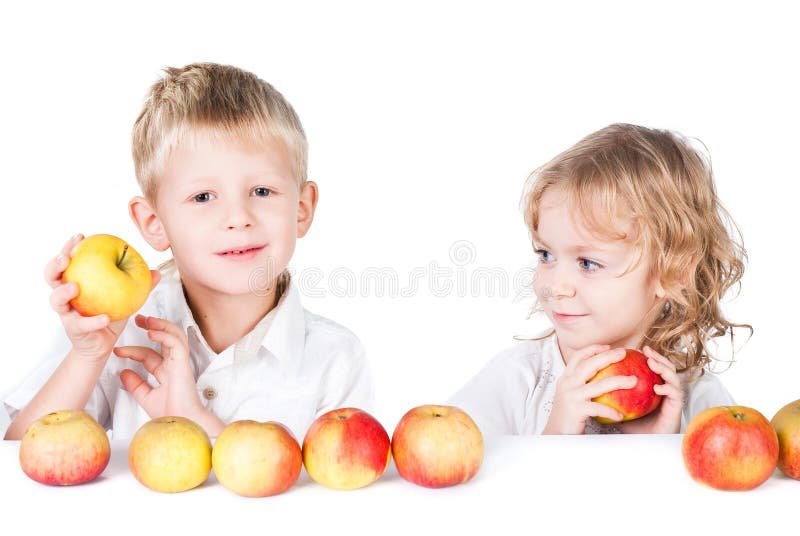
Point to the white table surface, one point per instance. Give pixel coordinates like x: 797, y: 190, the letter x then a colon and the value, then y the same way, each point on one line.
x: 527, y: 485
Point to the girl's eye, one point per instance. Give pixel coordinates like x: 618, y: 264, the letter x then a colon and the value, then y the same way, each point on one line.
x: 203, y: 197
x: 261, y: 191
x: 541, y: 253
x: 589, y: 266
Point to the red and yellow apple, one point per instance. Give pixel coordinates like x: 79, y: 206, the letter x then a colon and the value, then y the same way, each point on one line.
x: 256, y: 459
x: 730, y: 448
x: 64, y: 448
x: 112, y: 278
x: 637, y: 401
x: 787, y: 425
x: 437, y: 446
x: 170, y: 454
x: 346, y: 449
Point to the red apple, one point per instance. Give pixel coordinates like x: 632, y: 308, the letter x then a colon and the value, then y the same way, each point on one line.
x: 437, y: 446
x: 730, y: 448
x: 64, y: 448
x: 346, y: 449
x: 256, y: 459
x: 787, y: 425
x: 637, y: 401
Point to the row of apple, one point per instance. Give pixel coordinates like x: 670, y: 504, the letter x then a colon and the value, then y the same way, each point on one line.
x: 433, y: 446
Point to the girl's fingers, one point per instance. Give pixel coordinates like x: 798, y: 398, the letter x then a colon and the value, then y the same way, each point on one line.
x: 144, y: 355
x: 597, y: 409
x: 585, y: 353
x: 594, y: 364
x: 669, y: 391
x: 667, y: 373
x: 606, y: 385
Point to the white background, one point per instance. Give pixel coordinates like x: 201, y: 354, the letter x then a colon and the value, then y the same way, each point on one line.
x: 423, y: 123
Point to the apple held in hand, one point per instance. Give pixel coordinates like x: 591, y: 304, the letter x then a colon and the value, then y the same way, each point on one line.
x: 112, y: 278
x: 256, y: 459
x: 170, y: 454
x: 437, y: 446
x: 787, y: 426
x: 730, y: 448
x: 346, y: 449
x: 631, y: 403
x: 64, y: 448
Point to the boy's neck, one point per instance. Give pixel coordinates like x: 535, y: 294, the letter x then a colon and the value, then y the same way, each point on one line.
x: 224, y: 319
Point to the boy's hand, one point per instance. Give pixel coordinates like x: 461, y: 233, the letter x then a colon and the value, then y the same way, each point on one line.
x: 92, y: 337
x: 573, y: 401
x: 667, y: 418
x: 176, y: 394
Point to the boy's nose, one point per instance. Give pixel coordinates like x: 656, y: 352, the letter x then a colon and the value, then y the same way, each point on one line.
x: 237, y: 217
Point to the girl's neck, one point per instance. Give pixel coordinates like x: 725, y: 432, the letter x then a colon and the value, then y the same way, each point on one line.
x: 225, y: 319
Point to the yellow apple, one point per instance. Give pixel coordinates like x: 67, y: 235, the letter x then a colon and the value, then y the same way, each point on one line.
x: 786, y: 423
x: 64, y: 448
x: 170, y: 454
x: 437, y: 446
x: 256, y: 459
x: 112, y: 278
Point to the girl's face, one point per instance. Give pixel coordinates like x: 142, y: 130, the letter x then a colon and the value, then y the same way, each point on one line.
x: 579, y: 282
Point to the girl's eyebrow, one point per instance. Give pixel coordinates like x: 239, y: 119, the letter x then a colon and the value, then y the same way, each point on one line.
x: 577, y: 248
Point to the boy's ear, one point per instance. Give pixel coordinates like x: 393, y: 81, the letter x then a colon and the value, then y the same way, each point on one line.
x: 307, y: 205
x: 147, y: 221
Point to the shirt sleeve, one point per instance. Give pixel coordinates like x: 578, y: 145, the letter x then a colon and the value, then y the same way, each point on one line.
x: 349, y: 379
x: 495, y: 397
x: 706, y: 392
x: 19, y: 397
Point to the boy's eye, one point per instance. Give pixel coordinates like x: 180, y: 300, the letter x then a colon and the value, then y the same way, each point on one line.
x: 262, y: 191
x: 203, y: 197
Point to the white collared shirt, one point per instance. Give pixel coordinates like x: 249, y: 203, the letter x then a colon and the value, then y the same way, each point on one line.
x: 514, y: 392
x: 292, y: 367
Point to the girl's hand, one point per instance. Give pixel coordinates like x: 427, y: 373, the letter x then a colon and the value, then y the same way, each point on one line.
x: 92, y: 337
x: 176, y: 394
x: 573, y: 401
x: 667, y: 418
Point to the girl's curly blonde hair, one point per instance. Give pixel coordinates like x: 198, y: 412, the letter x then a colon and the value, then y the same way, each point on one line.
x: 693, y: 245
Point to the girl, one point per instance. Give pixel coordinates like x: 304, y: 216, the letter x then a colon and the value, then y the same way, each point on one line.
x: 634, y: 252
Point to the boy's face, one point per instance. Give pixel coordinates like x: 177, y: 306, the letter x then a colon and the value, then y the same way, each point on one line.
x: 231, y: 213
x: 570, y: 281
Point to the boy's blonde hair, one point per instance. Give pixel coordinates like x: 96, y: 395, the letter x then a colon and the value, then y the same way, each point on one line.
x: 668, y: 188
x: 222, y: 100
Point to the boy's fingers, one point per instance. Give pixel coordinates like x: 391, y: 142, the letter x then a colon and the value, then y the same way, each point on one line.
x: 54, y: 270
x: 163, y: 326
x: 135, y: 385
x: 61, y: 296
x: 155, y: 275
x: 79, y: 326
x: 144, y: 355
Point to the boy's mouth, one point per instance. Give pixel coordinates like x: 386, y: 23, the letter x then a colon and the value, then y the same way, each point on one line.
x: 242, y: 251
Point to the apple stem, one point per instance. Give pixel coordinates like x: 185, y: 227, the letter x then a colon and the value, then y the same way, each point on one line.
x: 124, y: 251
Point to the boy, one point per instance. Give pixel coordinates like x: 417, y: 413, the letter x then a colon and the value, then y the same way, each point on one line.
x: 221, y: 159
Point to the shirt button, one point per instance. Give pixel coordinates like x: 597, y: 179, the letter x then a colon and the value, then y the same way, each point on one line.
x: 209, y: 393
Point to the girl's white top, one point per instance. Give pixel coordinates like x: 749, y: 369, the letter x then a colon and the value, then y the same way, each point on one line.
x: 514, y: 392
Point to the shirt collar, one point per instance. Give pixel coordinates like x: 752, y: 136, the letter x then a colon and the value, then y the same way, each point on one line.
x: 282, y: 331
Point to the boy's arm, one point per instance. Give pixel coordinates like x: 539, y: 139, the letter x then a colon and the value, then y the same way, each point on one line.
x: 69, y: 387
